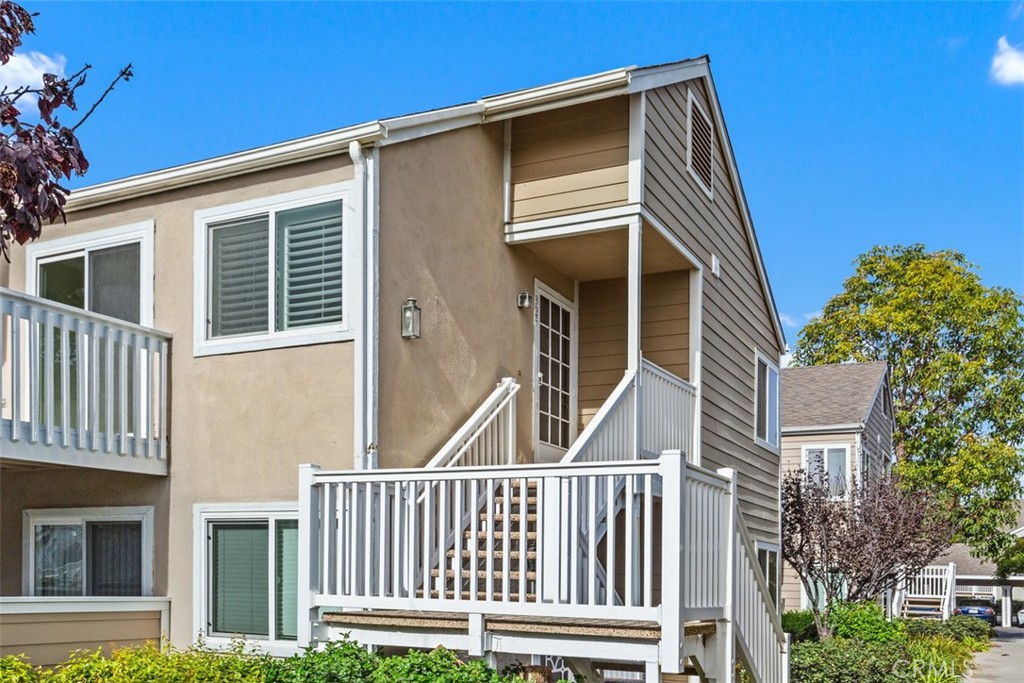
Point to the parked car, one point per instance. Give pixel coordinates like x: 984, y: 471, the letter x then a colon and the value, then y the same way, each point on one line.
x: 1020, y: 618
x: 978, y: 607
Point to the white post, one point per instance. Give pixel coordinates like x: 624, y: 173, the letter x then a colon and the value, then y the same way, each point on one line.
x: 725, y: 642
x: 673, y: 478
x: 1007, y: 604
x: 950, y: 591
x: 633, y: 352
x: 308, y: 564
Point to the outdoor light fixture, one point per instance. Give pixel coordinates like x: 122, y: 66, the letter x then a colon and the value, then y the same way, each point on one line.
x: 523, y: 300
x: 410, y: 319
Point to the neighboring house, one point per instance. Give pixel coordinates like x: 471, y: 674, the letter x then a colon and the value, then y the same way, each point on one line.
x: 564, y: 274
x: 836, y: 424
x: 956, y: 575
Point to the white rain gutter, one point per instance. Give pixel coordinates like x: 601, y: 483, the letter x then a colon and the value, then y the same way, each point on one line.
x: 364, y: 238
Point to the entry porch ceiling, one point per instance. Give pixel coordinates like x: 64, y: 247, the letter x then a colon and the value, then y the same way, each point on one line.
x: 603, y: 255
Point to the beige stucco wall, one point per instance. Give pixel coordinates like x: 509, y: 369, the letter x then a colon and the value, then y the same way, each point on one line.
x: 446, y: 249
x: 240, y: 424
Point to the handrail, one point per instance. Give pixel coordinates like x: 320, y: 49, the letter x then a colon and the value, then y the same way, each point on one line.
x: 500, y: 402
x: 599, y: 423
x: 12, y: 295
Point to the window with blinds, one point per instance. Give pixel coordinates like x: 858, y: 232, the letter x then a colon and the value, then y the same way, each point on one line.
x: 276, y: 271
x: 766, y: 392
x: 253, y: 577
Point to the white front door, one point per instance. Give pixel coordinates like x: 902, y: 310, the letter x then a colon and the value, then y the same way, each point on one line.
x: 555, y: 374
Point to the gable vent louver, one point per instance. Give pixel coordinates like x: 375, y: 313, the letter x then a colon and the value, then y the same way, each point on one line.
x: 700, y: 147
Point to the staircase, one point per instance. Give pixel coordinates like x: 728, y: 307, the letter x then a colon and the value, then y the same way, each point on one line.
x: 496, y: 557
x: 922, y: 607
x: 929, y: 594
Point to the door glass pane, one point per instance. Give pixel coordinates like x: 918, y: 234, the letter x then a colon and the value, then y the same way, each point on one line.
x: 555, y: 380
x: 114, y: 282
x: 239, y: 277
x: 239, y: 579
x: 58, y: 559
x: 286, y: 578
x: 115, y: 558
x: 64, y: 282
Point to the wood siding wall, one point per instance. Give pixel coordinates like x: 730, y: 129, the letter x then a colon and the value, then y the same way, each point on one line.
x: 736, y: 315
x: 569, y: 160
x: 47, y: 639
x: 664, y: 330
x: 877, y: 439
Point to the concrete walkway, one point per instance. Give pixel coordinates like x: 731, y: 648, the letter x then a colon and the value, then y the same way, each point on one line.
x: 1004, y: 663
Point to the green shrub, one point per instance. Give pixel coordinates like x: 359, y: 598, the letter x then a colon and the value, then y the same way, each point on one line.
x: 864, y: 621
x: 14, y: 669
x: 438, y: 666
x: 800, y: 625
x: 838, y: 660
x: 339, y: 662
x: 958, y: 627
x: 147, y: 664
x: 83, y: 666
x: 938, y: 659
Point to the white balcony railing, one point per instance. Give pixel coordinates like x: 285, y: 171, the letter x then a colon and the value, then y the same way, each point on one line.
x: 488, y: 437
x: 81, y: 389
x: 497, y: 541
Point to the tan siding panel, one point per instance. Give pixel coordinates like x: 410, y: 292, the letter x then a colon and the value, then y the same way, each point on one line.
x: 570, y: 160
x: 664, y: 331
x: 47, y: 639
x: 736, y: 317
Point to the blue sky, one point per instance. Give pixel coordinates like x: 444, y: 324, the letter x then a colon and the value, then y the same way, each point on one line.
x: 853, y: 124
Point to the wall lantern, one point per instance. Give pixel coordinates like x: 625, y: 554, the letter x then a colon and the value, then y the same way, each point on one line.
x: 410, y: 319
x: 523, y: 300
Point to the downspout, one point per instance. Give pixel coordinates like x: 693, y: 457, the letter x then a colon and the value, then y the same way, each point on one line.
x: 364, y: 250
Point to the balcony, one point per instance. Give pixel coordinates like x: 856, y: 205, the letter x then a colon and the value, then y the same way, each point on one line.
x: 81, y: 389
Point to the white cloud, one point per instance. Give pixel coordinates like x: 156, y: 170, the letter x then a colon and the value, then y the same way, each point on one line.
x: 27, y: 68
x: 786, y: 360
x: 1008, y: 64
x: 788, y: 320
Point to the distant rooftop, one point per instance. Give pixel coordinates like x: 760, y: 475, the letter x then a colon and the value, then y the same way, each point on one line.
x: 826, y: 395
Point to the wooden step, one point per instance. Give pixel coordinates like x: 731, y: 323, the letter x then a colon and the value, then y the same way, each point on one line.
x: 514, y: 518
x: 499, y: 535
x: 513, y: 596
x: 482, y: 574
x: 531, y: 501
x: 531, y: 485
x: 531, y: 555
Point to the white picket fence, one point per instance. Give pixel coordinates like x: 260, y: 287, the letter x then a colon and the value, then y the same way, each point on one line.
x: 79, y: 387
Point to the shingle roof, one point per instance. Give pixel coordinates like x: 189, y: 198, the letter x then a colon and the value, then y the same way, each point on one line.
x: 823, y: 395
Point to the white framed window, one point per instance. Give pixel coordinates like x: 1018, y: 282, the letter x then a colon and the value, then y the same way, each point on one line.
x: 106, y: 271
x: 828, y: 464
x: 700, y: 146
x: 246, y: 574
x: 768, y: 560
x: 88, y: 551
x: 273, y: 272
x: 766, y: 401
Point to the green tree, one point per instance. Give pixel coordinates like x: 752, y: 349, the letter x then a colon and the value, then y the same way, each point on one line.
x: 955, y: 348
x: 1011, y: 562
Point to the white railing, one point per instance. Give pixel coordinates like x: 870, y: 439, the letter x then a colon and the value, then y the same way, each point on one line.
x: 666, y: 410
x: 369, y: 535
x: 79, y: 387
x: 504, y: 541
x: 610, y: 434
x: 758, y: 627
x: 937, y: 582
x: 488, y: 438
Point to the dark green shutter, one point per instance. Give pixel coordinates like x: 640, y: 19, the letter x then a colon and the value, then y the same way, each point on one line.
x: 286, y: 600
x: 240, y: 580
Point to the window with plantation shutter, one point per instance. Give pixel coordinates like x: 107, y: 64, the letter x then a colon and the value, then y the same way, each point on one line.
x: 275, y: 272
x: 309, y: 266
